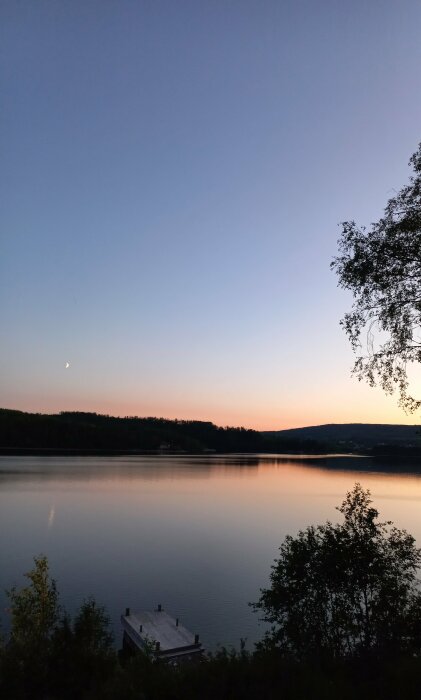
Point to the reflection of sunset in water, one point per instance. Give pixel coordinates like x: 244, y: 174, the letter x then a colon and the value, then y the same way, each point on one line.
x: 197, y: 532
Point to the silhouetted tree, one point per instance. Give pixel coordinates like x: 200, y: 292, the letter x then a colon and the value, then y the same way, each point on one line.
x: 382, y: 268
x: 35, y: 613
x: 51, y: 656
x: 345, y: 590
x: 82, y: 656
x: 35, y: 608
x: 91, y: 627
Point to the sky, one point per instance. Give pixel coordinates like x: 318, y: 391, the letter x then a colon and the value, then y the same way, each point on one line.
x: 173, y: 175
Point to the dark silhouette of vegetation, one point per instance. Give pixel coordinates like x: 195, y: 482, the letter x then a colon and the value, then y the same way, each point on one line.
x: 377, y: 440
x: 77, y: 430
x: 346, y: 618
x: 382, y: 268
x: 93, y: 432
x: 47, y: 654
x: 345, y: 590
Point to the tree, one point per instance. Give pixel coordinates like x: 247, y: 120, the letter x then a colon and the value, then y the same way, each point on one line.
x: 48, y: 654
x: 35, y: 614
x: 91, y: 628
x: 382, y: 268
x: 35, y: 608
x: 345, y: 590
x: 82, y: 656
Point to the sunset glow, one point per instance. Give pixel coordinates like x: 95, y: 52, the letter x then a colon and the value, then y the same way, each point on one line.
x: 171, y: 205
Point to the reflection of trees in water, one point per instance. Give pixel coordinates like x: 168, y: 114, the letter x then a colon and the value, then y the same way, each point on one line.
x: 387, y: 465
x: 136, y: 468
x: 32, y: 470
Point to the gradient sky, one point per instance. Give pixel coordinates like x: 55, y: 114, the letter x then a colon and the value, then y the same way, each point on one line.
x: 173, y: 174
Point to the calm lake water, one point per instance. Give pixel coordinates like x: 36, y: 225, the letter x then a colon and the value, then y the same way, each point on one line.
x: 197, y: 534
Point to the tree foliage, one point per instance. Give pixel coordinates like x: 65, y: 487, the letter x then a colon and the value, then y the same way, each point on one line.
x: 91, y: 627
x: 35, y: 608
x: 48, y: 654
x: 345, y: 590
x: 381, y: 266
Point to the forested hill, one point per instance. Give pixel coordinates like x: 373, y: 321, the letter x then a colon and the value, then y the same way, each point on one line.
x: 355, y: 436
x: 92, y: 431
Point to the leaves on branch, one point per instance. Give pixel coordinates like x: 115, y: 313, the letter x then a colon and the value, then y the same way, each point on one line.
x: 382, y: 268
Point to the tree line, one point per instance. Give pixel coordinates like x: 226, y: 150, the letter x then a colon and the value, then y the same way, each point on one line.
x: 84, y: 431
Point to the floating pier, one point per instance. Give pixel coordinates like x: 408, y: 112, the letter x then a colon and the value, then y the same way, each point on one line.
x: 162, y: 635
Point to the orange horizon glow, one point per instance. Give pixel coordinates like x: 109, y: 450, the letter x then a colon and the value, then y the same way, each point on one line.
x: 384, y: 412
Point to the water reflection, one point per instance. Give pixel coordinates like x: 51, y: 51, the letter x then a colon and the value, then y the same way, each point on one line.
x: 162, y: 467
x: 198, y: 533
x: 51, y: 516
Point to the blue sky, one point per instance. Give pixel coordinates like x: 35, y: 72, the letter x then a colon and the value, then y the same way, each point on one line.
x: 173, y: 176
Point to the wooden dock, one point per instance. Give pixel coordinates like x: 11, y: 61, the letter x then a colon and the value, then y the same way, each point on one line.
x: 164, y: 636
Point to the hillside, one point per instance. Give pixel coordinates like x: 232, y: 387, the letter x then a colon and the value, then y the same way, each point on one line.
x: 354, y: 436
x: 92, y: 431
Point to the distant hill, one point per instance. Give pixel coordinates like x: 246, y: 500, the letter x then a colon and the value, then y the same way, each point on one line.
x: 354, y: 436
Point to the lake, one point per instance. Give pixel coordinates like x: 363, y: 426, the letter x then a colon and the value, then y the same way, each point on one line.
x: 197, y: 534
